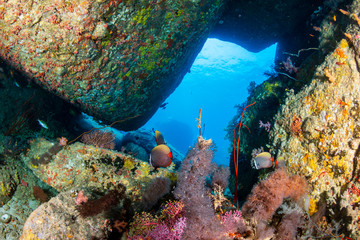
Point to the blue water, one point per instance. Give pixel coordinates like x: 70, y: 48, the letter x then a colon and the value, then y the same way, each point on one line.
x: 218, y: 80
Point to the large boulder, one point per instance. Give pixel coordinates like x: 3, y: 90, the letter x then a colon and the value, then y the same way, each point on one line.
x: 78, y: 165
x: 116, y: 60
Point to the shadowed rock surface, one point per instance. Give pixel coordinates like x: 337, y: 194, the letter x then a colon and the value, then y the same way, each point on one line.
x: 115, y: 60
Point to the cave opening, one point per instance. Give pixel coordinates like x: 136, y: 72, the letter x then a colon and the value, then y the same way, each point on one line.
x: 218, y: 80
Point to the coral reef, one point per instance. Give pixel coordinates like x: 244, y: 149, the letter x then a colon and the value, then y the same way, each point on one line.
x: 87, y: 191
x: 316, y: 129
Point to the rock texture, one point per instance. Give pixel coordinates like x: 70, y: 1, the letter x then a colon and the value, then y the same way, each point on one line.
x: 60, y: 219
x: 79, y: 165
x: 317, y: 130
x: 116, y: 60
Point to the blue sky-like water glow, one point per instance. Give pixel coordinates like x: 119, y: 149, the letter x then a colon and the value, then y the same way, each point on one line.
x: 217, y: 82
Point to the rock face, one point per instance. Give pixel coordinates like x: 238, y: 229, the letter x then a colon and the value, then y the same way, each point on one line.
x: 60, y: 220
x: 116, y: 60
x: 317, y: 130
x: 258, y: 24
x: 78, y: 165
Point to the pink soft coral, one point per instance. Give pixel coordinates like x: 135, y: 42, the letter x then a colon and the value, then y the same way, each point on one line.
x: 233, y: 222
x: 268, y: 195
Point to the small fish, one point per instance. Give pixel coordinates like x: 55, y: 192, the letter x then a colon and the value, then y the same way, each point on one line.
x: 263, y: 160
x: 280, y: 162
x: 163, y: 105
x: 159, y: 138
x: 161, y: 155
x: 42, y: 124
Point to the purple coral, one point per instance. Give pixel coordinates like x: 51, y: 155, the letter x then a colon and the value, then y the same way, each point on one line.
x: 266, y: 125
x: 169, y: 225
x: 221, y: 177
x: 164, y: 232
x: 289, y: 225
x: 191, y: 190
x: 233, y: 222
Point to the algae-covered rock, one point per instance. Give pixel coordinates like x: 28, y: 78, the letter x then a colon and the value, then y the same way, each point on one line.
x: 19, y: 200
x: 59, y: 219
x: 84, y: 166
x: 323, y: 145
x: 17, y: 211
x: 9, y: 179
x: 116, y: 60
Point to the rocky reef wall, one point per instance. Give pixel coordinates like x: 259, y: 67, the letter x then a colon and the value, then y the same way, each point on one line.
x: 115, y: 60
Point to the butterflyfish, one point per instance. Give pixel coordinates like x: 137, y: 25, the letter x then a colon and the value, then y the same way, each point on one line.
x: 263, y: 160
x: 159, y: 138
x: 161, y: 155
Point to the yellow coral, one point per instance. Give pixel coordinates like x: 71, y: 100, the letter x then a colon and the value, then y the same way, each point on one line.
x: 311, y: 163
x: 5, y: 190
x: 172, y: 176
x: 313, y: 208
x: 145, y: 168
x: 129, y: 163
x: 171, y: 167
x: 339, y: 54
x: 143, y: 15
x: 343, y: 43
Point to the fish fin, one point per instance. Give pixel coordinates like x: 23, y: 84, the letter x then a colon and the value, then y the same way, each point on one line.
x: 170, y: 155
x: 256, y: 166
